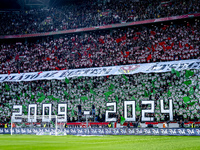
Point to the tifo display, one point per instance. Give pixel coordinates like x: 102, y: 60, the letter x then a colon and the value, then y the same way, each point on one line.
x: 179, y: 91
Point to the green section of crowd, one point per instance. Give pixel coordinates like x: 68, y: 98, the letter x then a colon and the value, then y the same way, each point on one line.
x: 180, y: 86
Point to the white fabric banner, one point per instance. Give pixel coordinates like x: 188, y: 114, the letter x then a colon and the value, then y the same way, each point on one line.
x: 103, y: 71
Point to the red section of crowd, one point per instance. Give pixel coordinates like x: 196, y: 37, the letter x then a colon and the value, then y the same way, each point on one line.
x: 149, y: 43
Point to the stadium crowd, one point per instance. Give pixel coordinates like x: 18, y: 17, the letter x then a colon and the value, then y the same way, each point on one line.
x: 150, y: 43
x: 180, y: 86
x: 90, y: 13
x: 121, y: 46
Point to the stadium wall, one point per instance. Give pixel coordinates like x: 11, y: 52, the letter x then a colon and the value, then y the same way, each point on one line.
x: 104, y: 131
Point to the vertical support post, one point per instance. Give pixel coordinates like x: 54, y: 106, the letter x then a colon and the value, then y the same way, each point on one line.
x: 87, y: 124
x: 56, y: 126
x: 11, y: 126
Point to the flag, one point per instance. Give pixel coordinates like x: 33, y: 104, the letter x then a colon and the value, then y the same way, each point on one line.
x: 80, y: 56
x: 173, y: 70
x: 40, y: 72
x: 164, y: 28
x: 66, y: 94
x: 162, y: 43
x: 153, y: 32
x: 24, y: 109
x: 172, y: 44
x: 180, y: 45
x: 41, y: 99
x: 40, y: 94
x: 169, y: 93
x: 188, y: 82
x: 135, y: 38
x: 52, y: 123
x: 55, y: 99
x: 153, y: 82
x: 93, y: 98
x: 146, y: 94
x: 72, y: 112
x: 111, y: 87
x: 83, y: 98
x: 92, y: 92
x: 186, y: 99
x: 138, y: 108
x: 118, y: 40
x: 101, y: 41
x: 127, y: 54
x: 117, y: 100
x: 66, y: 80
x: 108, y: 93
x: 191, y: 91
x: 25, y: 94
x: 40, y: 88
x: 168, y: 47
x: 123, y: 38
x: 50, y: 97
x: 122, y: 120
x: 18, y: 97
x: 133, y: 98
x: 164, y: 48
x: 188, y: 73
x: 80, y: 77
x: 149, y: 57
x: 153, y: 49
x: 191, y: 103
x: 91, y: 82
x: 154, y: 92
x: 7, y: 87
x: 125, y: 77
x: 177, y: 73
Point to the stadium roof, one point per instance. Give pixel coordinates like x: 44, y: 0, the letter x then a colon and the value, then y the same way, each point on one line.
x: 21, y: 4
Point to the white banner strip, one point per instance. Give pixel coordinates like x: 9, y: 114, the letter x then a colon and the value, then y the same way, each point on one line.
x: 103, y: 71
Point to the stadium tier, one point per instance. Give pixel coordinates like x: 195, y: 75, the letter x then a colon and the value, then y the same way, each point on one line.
x: 91, y: 13
x: 182, y: 87
x: 129, y: 45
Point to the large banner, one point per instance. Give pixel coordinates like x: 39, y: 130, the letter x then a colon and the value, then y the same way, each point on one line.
x: 103, y: 71
x: 104, y: 131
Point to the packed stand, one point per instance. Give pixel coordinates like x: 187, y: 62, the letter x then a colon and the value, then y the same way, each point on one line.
x: 91, y: 13
x: 180, y: 86
x: 150, y: 43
